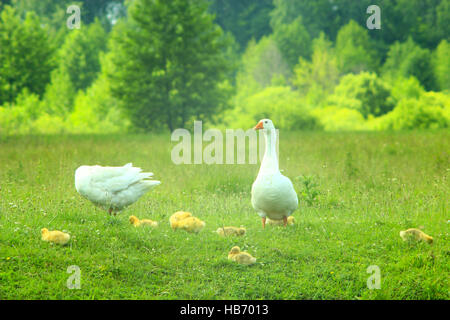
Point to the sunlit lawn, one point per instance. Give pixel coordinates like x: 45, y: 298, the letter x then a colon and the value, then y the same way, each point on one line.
x: 371, y: 186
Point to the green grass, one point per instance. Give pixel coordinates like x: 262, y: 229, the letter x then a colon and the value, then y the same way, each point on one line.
x: 363, y: 189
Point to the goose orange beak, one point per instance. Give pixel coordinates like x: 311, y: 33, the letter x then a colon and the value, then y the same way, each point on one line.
x: 259, y: 126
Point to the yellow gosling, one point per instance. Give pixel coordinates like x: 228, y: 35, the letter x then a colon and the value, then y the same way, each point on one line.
x: 290, y: 221
x: 190, y: 224
x: 148, y: 222
x: 240, y: 257
x: 134, y: 221
x: 144, y: 222
x: 414, y: 234
x: 228, y: 231
x: 178, y: 216
x: 57, y: 237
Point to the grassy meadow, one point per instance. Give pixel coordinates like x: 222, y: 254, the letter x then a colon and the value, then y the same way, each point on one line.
x: 356, y: 192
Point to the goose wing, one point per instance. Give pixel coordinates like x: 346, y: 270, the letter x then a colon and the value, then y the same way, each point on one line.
x: 113, y: 186
x: 117, y: 179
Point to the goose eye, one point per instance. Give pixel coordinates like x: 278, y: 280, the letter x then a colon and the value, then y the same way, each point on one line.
x: 265, y: 121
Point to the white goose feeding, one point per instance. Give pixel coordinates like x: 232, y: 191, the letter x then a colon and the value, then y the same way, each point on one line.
x: 273, y: 194
x: 113, y: 188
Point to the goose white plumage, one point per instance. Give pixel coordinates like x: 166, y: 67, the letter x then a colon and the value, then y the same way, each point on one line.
x: 113, y: 188
x: 273, y: 195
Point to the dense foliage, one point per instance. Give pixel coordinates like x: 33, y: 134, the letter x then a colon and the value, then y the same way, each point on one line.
x: 25, y: 55
x: 154, y: 65
x: 169, y: 63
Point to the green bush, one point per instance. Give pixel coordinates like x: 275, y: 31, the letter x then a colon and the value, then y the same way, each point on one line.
x: 14, y: 120
x: 281, y: 104
x: 49, y: 124
x: 18, y: 118
x: 402, y: 88
x: 364, y: 92
x: 431, y: 111
x: 97, y: 111
x: 333, y: 118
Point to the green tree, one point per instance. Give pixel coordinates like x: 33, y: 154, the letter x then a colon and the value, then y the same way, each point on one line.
x: 25, y: 55
x: 426, y: 21
x: 248, y: 19
x: 261, y: 63
x: 321, y: 72
x: 317, y: 16
x: 169, y: 63
x: 4, y: 3
x: 96, y: 110
x: 441, y: 65
x: 79, y: 55
x: 103, y: 10
x: 442, y: 18
x: 408, y: 59
x: 78, y: 66
x: 354, y: 49
x: 293, y: 41
x: 59, y: 94
x: 52, y: 15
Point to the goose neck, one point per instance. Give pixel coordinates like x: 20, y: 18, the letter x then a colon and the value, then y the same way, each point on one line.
x: 270, y: 160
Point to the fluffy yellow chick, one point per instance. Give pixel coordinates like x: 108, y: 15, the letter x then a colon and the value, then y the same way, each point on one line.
x: 290, y: 221
x: 57, y: 237
x: 415, y: 235
x: 190, y: 224
x: 144, y: 222
x: 228, y: 231
x: 241, y: 257
x: 178, y: 216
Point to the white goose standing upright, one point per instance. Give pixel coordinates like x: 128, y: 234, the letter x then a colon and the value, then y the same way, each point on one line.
x: 113, y: 188
x: 273, y: 194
